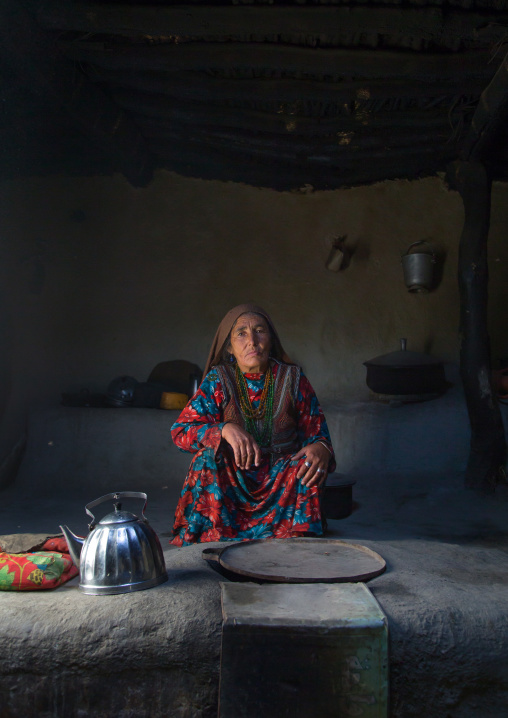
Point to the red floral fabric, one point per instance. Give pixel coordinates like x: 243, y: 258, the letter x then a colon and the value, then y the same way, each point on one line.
x: 220, y: 502
x: 47, y: 568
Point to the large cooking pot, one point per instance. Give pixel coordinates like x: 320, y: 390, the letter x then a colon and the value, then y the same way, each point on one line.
x: 405, y: 373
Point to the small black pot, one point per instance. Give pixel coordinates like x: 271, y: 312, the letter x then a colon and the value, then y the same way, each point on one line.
x: 337, y: 501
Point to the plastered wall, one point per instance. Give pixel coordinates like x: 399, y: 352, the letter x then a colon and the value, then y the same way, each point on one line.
x: 98, y: 279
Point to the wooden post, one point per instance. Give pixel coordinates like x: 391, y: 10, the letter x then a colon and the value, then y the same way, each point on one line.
x: 486, y: 464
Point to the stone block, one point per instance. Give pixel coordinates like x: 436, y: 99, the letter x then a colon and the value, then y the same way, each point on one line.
x: 303, y: 650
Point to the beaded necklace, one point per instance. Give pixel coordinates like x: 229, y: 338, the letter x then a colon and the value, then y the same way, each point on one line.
x: 263, y: 411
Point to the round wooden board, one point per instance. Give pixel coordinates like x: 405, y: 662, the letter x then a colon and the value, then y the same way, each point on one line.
x: 302, y: 560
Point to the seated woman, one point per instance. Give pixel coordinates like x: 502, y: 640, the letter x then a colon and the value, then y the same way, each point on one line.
x: 262, y: 447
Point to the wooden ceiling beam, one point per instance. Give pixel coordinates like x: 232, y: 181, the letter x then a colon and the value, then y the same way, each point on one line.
x: 342, y: 141
x: 411, y: 27
x: 190, y: 86
x: 148, y: 107
x: 200, y: 159
x: 288, y: 178
x: 314, y: 153
x: 276, y: 60
x: 296, y: 127
x: 33, y: 57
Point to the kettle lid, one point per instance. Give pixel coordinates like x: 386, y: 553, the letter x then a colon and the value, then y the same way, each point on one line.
x: 118, y: 517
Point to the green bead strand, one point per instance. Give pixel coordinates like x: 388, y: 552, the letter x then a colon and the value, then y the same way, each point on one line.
x: 264, y: 411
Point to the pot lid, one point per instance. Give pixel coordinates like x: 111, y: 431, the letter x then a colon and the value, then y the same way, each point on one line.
x: 403, y: 358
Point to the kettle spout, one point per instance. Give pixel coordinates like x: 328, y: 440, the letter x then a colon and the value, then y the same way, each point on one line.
x: 75, y: 544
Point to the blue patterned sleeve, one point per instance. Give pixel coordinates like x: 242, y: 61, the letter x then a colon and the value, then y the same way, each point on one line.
x: 200, y: 423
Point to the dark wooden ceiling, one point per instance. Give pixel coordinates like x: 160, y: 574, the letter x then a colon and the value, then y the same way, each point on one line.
x: 282, y: 95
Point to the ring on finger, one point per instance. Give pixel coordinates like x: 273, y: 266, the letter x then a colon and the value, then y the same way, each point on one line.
x: 308, y: 464
x: 320, y: 471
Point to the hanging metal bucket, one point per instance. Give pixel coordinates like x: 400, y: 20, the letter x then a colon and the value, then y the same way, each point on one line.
x: 418, y: 268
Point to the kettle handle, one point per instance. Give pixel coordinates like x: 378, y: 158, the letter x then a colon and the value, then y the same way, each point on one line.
x: 114, y: 497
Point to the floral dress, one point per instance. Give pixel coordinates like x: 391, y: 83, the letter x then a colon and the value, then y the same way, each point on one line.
x: 219, y: 501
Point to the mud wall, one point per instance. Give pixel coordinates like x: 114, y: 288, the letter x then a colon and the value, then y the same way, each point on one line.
x: 98, y: 279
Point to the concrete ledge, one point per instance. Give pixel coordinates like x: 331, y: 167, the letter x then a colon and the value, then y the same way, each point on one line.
x: 89, y: 451
x: 146, y: 654
x: 156, y: 653
x: 428, y: 436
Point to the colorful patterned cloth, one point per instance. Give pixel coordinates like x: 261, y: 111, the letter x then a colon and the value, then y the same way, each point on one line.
x: 36, y: 570
x: 220, y: 502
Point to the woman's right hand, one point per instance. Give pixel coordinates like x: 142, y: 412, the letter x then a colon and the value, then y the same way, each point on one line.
x: 245, y: 448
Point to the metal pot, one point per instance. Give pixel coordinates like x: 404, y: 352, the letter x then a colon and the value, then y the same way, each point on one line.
x: 405, y: 373
x: 337, y: 501
x: 122, y: 553
x: 418, y: 268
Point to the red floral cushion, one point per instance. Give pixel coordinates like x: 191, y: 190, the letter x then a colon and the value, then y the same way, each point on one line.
x: 57, y: 543
x: 36, y: 570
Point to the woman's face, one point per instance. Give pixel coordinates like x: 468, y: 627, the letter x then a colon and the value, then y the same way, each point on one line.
x: 250, y: 343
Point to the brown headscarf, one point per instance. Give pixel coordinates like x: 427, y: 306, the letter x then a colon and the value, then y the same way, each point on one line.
x: 222, y: 333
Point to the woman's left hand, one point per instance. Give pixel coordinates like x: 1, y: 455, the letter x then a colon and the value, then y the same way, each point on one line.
x: 314, y: 470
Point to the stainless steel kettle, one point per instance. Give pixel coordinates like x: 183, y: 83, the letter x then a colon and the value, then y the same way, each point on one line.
x: 122, y: 553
